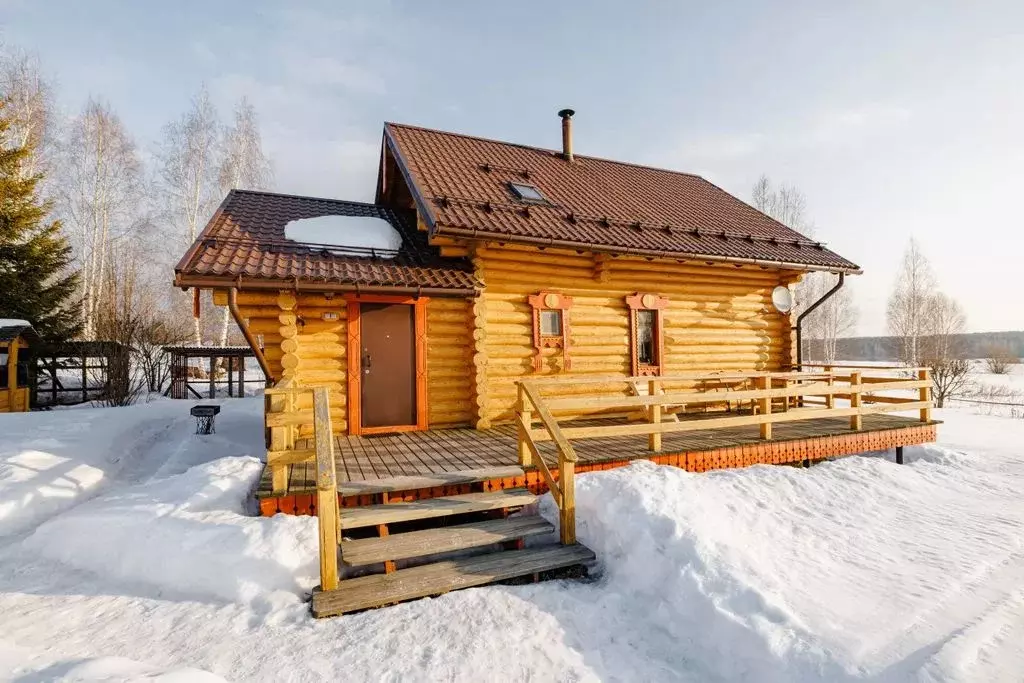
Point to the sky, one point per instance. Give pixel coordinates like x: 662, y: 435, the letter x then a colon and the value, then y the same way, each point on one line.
x: 896, y: 119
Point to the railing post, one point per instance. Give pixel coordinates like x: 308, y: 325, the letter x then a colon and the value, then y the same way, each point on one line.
x: 654, y: 438
x: 526, y: 415
x: 326, y: 489
x: 830, y: 400
x: 567, y: 513
x: 765, y: 383
x: 855, y: 387
x: 925, y: 393
x: 278, y: 442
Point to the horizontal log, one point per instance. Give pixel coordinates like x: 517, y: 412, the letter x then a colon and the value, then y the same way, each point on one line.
x: 288, y: 457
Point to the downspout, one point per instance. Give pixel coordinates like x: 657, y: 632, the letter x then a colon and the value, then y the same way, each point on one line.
x: 240, y: 321
x: 811, y: 309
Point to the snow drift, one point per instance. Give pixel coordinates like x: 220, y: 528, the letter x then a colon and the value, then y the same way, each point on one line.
x: 188, y: 536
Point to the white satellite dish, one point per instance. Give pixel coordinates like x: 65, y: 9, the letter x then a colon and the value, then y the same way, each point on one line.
x: 782, y: 299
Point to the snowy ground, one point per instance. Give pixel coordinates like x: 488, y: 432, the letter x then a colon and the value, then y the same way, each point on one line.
x: 128, y: 552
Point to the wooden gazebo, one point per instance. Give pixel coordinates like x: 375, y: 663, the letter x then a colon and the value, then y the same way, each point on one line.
x: 183, y: 373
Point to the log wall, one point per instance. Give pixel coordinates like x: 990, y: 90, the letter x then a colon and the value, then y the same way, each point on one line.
x: 719, y: 318
x: 315, y: 352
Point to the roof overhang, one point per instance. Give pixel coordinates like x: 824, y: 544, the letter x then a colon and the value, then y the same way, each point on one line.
x: 500, y: 237
x: 306, y: 285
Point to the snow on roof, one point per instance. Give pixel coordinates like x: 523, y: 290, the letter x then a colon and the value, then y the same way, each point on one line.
x: 359, y: 233
x: 14, y: 322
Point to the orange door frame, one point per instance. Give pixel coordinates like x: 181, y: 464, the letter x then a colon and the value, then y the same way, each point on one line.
x: 355, y: 354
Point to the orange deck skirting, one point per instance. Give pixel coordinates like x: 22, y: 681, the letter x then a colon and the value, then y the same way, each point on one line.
x: 767, y: 452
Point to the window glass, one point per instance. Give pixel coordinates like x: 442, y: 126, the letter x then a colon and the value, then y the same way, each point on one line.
x: 645, y: 338
x: 551, y: 323
x: 527, y: 192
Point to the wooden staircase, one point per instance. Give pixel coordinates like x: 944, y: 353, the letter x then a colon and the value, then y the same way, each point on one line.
x: 496, y: 545
x: 448, y: 542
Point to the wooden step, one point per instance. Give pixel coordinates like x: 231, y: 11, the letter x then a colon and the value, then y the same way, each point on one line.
x: 378, y: 590
x: 390, y: 513
x: 411, y: 483
x: 442, y: 540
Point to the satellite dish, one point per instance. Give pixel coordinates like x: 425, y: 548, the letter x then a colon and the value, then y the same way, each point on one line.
x: 782, y: 299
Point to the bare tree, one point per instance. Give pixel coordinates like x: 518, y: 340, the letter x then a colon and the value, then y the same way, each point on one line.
x: 837, y: 316
x: 29, y: 97
x: 243, y: 166
x: 906, y: 312
x: 999, y: 358
x: 99, y: 188
x: 188, y: 171
x: 941, y: 348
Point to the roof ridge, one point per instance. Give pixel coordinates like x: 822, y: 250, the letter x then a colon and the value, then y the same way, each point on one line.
x: 553, y: 152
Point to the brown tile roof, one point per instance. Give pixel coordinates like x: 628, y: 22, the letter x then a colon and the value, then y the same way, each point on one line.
x: 245, y: 239
x: 461, y: 184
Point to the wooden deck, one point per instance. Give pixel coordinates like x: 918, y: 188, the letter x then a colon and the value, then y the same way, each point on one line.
x: 448, y: 459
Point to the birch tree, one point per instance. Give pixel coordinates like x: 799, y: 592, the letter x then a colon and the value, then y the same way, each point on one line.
x: 99, y: 190
x: 30, y: 110
x: 906, y: 312
x: 188, y: 170
x: 835, y: 318
x: 243, y: 166
x: 941, y: 347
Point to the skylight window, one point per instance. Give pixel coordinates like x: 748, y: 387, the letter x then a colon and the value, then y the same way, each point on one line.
x: 527, y: 193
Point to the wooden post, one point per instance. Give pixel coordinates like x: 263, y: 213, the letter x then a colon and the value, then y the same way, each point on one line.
x: 830, y: 400
x: 213, y: 389
x: 925, y: 394
x: 567, y: 513
x: 899, y: 455
x: 12, y: 368
x: 279, y: 440
x: 326, y: 489
x: 241, y: 376
x: 765, y: 383
x: 654, y: 439
x: 231, y: 377
x: 85, y: 378
x: 855, y: 420
x: 526, y: 415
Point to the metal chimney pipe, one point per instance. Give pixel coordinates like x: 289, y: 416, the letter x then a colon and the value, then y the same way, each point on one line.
x: 566, y: 115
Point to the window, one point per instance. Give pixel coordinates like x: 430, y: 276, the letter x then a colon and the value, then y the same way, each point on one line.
x: 527, y: 193
x: 550, y: 323
x: 645, y: 330
x: 646, y: 333
x: 550, y: 326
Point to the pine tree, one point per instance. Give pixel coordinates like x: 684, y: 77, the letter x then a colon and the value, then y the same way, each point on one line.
x: 36, y: 282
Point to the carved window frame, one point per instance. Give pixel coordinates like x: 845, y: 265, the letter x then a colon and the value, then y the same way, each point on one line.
x: 647, y: 301
x: 546, y: 300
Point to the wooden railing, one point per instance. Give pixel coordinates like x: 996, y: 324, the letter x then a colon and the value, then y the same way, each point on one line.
x: 283, y: 421
x: 563, y: 491
x: 777, y: 397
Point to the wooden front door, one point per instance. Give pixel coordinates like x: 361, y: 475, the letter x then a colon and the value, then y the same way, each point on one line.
x: 388, y: 364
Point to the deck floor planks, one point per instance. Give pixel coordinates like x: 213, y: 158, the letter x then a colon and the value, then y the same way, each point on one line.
x: 458, y: 449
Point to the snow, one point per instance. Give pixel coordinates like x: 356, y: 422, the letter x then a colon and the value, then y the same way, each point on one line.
x: 360, y: 232
x: 12, y: 322
x: 850, y: 570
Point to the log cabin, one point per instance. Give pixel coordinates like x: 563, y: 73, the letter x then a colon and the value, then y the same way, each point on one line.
x: 537, y: 313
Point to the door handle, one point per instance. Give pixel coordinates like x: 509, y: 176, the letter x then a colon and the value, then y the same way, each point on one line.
x: 367, y: 363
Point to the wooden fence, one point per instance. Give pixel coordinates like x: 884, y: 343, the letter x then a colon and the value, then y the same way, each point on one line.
x: 775, y: 397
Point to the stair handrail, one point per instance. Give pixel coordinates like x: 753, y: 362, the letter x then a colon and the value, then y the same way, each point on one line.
x: 326, y: 489
x: 563, y: 491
